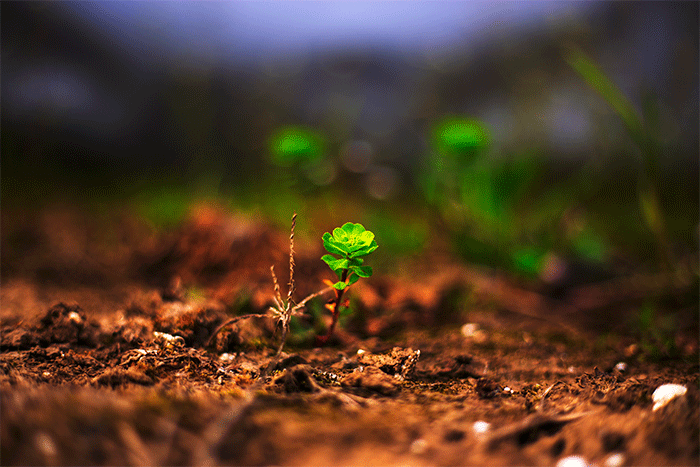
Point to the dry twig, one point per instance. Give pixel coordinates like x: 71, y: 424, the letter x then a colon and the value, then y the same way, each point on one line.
x: 283, y: 309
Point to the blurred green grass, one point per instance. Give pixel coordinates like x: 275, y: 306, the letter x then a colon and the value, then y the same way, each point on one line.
x: 503, y: 208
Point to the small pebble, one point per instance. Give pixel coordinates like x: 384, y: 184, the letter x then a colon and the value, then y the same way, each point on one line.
x: 616, y: 459
x: 75, y: 317
x: 419, y: 446
x: 481, y: 427
x: 572, y: 461
x: 45, y: 444
x: 472, y: 331
x: 666, y: 393
x: 226, y: 357
x: 469, y: 329
x: 621, y: 367
x: 165, y: 339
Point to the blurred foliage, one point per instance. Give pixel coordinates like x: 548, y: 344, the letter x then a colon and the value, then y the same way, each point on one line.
x: 455, y: 143
x: 513, y: 210
x: 656, y: 333
x: 459, y: 137
x: 292, y: 145
x: 409, y: 239
x: 487, y: 201
x: 497, y: 192
x: 163, y: 206
x: 644, y: 133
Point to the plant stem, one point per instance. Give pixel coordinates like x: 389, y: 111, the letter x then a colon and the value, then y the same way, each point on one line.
x: 336, y: 310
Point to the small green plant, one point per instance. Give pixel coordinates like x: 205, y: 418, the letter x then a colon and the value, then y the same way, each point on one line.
x: 350, y: 242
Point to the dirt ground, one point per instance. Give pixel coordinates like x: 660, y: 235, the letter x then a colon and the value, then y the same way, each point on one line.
x: 108, y: 356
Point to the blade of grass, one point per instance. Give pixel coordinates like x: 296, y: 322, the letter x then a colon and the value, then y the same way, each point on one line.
x: 649, y: 203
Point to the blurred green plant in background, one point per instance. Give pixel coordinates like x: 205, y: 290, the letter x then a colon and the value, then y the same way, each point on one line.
x: 299, y: 157
x: 499, y: 208
x: 656, y: 333
x: 455, y: 142
x: 292, y: 145
x: 644, y: 132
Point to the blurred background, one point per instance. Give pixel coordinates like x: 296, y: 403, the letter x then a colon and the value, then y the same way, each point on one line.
x: 518, y: 133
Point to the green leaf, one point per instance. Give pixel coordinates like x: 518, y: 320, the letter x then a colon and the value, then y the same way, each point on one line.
x: 340, y: 285
x: 351, y: 241
x: 340, y: 235
x: 332, y: 246
x: 460, y: 138
x: 362, y: 242
x: 337, y: 264
x: 599, y: 81
x: 366, y: 237
x: 352, y: 230
x: 364, y: 251
x: 362, y: 271
x: 296, y: 144
x: 352, y: 279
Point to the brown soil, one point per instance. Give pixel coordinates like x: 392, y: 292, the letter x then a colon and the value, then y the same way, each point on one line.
x: 106, y: 359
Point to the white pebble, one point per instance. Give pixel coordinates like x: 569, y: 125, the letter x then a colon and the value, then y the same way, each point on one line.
x: 616, y: 459
x: 572, y: 461
x: 469, y: 329
x: 166, y: 339
x: 226, y: 357
x: 481, y: 427
x: 666, y: 393
x: 75, y: 317
x: 621, y: 367
x: 46, y: 446
x: 419, y: 446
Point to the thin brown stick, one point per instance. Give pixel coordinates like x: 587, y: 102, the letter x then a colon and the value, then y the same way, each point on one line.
x: 313, y: 295
x: 293, y: 311
x: 283, y: 309
x: 277, y: 296
x: 290, y: 292
x: 233, y: 320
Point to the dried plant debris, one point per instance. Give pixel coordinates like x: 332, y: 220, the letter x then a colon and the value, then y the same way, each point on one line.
x: 400, y: 363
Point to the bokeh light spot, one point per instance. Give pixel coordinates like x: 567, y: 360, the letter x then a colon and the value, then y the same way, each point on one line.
x: 382, y: 182
x: 357, y: 155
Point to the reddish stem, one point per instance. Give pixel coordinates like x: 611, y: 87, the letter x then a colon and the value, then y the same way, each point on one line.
x: 321, y: 340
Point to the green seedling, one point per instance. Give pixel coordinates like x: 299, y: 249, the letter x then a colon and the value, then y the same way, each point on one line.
x: 347, y: 245
x: 350, y: 242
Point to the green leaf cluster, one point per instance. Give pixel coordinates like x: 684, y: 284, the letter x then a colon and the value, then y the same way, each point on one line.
x: 350, y: 242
